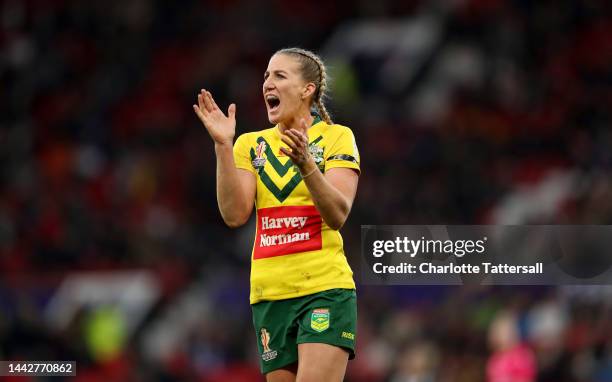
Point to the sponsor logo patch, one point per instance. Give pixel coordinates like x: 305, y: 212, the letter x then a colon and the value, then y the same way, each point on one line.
x: 348, y: 336
x: 268, y: 354
x: 319, y: 319
x: 286, y: 230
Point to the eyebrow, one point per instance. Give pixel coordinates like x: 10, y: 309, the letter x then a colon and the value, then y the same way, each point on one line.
x: 280, y: 71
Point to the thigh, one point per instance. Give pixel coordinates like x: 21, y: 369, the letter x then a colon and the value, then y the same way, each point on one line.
x: 284, y: 374
x: 321, y: 363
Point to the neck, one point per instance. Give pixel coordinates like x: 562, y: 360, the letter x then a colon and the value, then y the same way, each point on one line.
x: 295, y: 122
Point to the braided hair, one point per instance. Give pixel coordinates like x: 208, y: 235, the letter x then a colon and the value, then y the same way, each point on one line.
x: 313, y: 70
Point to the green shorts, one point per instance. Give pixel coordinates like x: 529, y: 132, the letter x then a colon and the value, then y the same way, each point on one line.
x: 328, y: 317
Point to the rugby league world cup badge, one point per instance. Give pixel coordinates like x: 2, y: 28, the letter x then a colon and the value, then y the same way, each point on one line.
x: 259, y: 161
x: 268, y: 354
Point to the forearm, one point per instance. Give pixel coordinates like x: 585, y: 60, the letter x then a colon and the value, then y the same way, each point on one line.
x: 233, y: 204
x: 333, y: 206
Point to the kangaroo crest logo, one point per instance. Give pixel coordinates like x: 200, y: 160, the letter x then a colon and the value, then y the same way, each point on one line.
x: 319, y: 320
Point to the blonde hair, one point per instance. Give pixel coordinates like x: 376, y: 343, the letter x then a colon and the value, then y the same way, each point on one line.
x: 313, y: 70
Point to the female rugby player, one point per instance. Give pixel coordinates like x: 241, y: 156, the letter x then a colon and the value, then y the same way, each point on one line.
x: 302, y: 177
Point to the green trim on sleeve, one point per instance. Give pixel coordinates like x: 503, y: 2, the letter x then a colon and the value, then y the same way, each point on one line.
x: 348, y: 158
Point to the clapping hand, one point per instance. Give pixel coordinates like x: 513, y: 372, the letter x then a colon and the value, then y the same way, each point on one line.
x: 221, y: 128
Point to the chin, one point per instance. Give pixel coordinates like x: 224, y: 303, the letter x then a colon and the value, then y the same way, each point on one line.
x: 274, y: 119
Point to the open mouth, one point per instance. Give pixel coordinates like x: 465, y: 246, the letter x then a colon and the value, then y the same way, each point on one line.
x: 273, y: 102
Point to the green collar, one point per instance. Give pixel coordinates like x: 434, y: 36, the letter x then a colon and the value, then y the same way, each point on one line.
x: 317, y: 118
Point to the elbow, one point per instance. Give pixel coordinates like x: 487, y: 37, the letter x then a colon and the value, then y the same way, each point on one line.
x: 235, y: 223
x: 336, y: 225
x: 235, y: 216
x: 338, y: 221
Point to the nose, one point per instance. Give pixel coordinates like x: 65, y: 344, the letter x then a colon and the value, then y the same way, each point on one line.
x: 268, y: 84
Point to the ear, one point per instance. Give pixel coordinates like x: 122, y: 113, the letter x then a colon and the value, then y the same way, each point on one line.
x: 309, y: 90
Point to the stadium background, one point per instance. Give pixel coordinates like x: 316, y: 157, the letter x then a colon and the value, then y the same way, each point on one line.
x: 113, y: 253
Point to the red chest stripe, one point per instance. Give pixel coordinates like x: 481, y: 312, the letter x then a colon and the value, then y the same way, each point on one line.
x: 286, y: 230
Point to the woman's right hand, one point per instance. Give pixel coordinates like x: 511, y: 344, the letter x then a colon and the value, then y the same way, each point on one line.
x: 220, y: 127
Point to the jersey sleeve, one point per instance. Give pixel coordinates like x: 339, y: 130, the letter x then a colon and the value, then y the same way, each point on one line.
x: 242, y: 156
x: 343, y: 152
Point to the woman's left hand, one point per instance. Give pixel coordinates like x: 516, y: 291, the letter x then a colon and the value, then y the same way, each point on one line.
x: 298, y: 143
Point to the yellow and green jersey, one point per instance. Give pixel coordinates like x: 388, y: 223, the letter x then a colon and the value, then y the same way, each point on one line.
x: 295, y: 253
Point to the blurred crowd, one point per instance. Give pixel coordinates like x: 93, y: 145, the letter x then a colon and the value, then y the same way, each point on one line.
x: 505, y: 119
